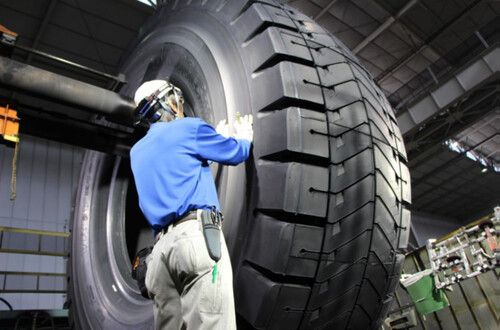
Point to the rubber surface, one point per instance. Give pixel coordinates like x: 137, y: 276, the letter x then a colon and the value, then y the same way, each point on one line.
x: 316, y: 218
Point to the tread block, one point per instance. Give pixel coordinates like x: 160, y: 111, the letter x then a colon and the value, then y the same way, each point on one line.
x: 390, y: 111
x: 387, y: 196
x: 344, y: 119
x: 406, y: 182
x: 370, y: 300
x: 378, y: 273
x: 370, y: 96
x: 383, y: 310
x: 289, y: 131
x: 342, y: 231
x: 324, y: 57
x: 386, y: 221
x: 330, y: 44
x: 351, y: 199
x: 276, y: 44
x: 317, y: 318
x: 286, y: 84
x: 258, y: 17
x: 303, y: 21
x: 382, y: 246
x: 341, y: 95
x: 359, y: 319
x: 324, y: 292
x: 352, y: 170
x: 396, y: 271
x: 371, y: 92
x: 350, y: 143
x: 297, y: 254
x: 353, y: 252
x: 389, y: 170
x: 404, y: 234
x: 339, y: 322
x: 390, y: 154
x: 287, y: 187
x: 363, y: 74
x: 269, y: 305
x: 400, y: 145
x: 270, y: 3
x: 380, y: 130
x: 334, y: 75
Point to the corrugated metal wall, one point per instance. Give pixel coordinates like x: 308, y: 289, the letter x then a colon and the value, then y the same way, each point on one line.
x: 47, y: 177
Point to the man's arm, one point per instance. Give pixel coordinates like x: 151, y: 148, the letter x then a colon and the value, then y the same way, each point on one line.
x: 216, y: 147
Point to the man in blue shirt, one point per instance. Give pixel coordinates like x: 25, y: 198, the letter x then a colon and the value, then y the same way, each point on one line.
x: 174, y: 183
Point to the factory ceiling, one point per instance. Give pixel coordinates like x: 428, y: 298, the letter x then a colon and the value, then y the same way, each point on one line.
x: 420, y: 52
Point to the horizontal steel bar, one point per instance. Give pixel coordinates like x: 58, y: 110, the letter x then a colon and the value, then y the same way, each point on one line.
x: 41, y: 253
x: 32, y: 274
x: 48, y: 85
x: 33, y: 291
x: 120, y: 79
x: 75, y: 132
x: 35, y: 232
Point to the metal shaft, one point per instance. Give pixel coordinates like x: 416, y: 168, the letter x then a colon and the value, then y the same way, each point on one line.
x: 25, y: 78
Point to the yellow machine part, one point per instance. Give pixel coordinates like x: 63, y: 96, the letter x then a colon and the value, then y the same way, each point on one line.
x: 9, y: 124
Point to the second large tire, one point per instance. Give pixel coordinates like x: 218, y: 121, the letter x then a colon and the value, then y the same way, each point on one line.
x: 316, y: 218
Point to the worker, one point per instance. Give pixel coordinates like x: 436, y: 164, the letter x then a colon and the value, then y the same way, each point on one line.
x: 189, y: 275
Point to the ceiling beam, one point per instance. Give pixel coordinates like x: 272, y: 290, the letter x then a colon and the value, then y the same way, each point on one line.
x: 426, y: 142
x: 479, y: 127
x: 484, y: 69
x: 424, y: 44
x: 324, y: 10
x: 388, y: 22
x: 42, y: 28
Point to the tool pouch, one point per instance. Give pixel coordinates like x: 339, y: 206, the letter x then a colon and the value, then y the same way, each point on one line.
x: 211, y: 231
x: 139, y: 269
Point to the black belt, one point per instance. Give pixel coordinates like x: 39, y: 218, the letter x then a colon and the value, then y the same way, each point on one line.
x: 190, y: 215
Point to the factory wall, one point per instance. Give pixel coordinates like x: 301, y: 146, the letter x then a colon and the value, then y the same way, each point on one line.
x: 426, y: 226
x: 47, y: 178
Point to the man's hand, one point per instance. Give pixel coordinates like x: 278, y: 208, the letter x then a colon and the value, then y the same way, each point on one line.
x: 223, y: 128
x: 244, y: 128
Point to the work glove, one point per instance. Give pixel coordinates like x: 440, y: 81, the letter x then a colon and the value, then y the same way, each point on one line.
x: 140, y: 268
x: 244, y: 128
x: 223, y: 128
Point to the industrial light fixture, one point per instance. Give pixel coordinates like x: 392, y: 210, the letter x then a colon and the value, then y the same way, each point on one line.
x: 151, y: 3
x: 473, y: 154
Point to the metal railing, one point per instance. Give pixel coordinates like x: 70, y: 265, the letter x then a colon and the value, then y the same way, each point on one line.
x: 38, y: 251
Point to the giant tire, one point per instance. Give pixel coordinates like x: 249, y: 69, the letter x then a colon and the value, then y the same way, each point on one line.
x: 317, y: 216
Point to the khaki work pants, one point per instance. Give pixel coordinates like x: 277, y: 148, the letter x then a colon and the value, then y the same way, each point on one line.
x: 180, y: 281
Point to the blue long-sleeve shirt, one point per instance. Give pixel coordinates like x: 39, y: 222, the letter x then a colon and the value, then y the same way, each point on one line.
x: 170, y: 168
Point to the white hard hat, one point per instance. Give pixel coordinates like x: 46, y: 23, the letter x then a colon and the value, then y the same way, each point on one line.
x: 147, y: 88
